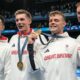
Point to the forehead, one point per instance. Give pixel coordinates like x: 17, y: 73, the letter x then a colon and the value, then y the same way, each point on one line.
x: 0, y: 21
x: 56, y: 16
x: 78, y: 8
x: 20, y: 16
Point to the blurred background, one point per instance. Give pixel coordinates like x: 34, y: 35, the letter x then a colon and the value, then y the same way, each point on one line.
x: 39, y: 10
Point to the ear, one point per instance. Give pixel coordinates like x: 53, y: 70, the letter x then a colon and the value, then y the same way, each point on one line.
x: 3, y: 27
x: 30, y: 21
x: 65, y: 23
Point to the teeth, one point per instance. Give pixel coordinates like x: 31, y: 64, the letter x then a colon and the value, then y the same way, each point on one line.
x: 20, y: 25
x: 53, y: 26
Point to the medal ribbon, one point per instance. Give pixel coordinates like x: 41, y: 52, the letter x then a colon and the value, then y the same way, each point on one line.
x: 52, y: 38
x: 20, y: 52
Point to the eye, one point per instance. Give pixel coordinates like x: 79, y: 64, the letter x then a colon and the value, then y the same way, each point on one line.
x: 50, y: 20
x: 21, y: 19
x: 16, y: 20
x: 56, y: 20
x: 78, y: 12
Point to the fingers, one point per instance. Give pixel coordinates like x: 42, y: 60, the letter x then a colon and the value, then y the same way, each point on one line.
x: 33, y: 36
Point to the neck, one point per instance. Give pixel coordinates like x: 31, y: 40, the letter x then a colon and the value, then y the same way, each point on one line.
x: 27, y: 30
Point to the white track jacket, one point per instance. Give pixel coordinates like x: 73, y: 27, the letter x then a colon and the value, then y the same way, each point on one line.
x: 60, y: 58
x: 17, y: 74
x: 5, y: 61
x: 27, y: 73
x: 78, y: 38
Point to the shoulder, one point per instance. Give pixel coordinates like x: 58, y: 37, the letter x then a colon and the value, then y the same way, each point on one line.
x: 5, y: 50
x: 3, y: 39
x: 78, y: 39
x: 13, y: 38
x: 71, y: 41
x: 41, y: 39
x: 4, y: 45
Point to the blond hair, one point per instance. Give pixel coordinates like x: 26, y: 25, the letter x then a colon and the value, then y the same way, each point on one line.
x: 77, y: 4
x: 22, y: 11
x: 53, y: 13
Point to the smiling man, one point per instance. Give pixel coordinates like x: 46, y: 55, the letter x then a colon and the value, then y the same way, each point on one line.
x: 78, y: 17
x: 2, y: 27
x: 19, y: 54
x: 21, y: 66
x: 60, y: 57
x: 78, y: 11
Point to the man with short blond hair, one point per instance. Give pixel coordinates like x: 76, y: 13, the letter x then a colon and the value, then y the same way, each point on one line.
x: 60, y: 56
x: 78, y: 17
x: 78, y: 11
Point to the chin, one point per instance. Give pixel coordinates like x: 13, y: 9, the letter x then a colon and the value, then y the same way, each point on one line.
x: 21, y: 30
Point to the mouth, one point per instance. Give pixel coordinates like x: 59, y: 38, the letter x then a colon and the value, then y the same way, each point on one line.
x: 53, y: 28
x: 20, y: 25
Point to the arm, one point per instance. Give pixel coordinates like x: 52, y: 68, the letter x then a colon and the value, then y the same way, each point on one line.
x: 7, y: 63
x: 38, y: 72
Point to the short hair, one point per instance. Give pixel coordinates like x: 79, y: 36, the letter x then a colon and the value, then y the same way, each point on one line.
x: 2, y: 19
x: 22, y: 11
x: 77, y: 4
x: 53, y: 13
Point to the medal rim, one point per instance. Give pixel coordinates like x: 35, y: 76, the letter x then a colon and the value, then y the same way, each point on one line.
x: 20, y: 64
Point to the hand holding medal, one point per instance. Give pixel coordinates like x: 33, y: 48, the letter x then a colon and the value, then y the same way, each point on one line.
x: 29, y: 39
x: 33, y: 36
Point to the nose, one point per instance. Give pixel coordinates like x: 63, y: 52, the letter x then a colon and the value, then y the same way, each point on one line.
x: 52, y: 22
x: 18, y: 21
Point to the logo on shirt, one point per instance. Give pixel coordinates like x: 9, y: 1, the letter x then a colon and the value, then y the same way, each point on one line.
x: 13, y: 45
x: 67, y: 45
x: 47, y: 50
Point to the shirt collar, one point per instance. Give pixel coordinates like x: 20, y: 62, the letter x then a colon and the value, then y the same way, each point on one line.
x: 24, y: 33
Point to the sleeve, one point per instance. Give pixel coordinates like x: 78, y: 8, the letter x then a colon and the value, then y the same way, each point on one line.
x: 78, y: 56
x: 11, y: 40
x: 36, y: 46
x: 7, y: 63
x: 38, y: 43
x: 38, y: 74
x: 78, y: 39
x: 39, y: 61
x: 38, y: 71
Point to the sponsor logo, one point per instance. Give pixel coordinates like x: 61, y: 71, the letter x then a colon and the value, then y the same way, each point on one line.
x: 14, y: 52
x: 53, y: 56
x: 47, y: 50
x: 13, y: 45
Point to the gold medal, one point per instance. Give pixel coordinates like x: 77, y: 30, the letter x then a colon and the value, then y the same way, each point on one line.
x: 38, y: 32
x: 20, y: 65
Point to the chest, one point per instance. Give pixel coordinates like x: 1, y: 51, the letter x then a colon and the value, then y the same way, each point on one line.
x: 19, y: 46
x: 58, y: 50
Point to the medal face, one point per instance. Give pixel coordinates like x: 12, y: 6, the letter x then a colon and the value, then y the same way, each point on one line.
x: 38, y: 32
x: 20, y: 65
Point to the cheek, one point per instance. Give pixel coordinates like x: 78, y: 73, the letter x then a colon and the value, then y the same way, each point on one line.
x: 1, y: 28
x: 49, y: 24
x: 27, y: 22
x: 16, y: 23
x: 78, y: 16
